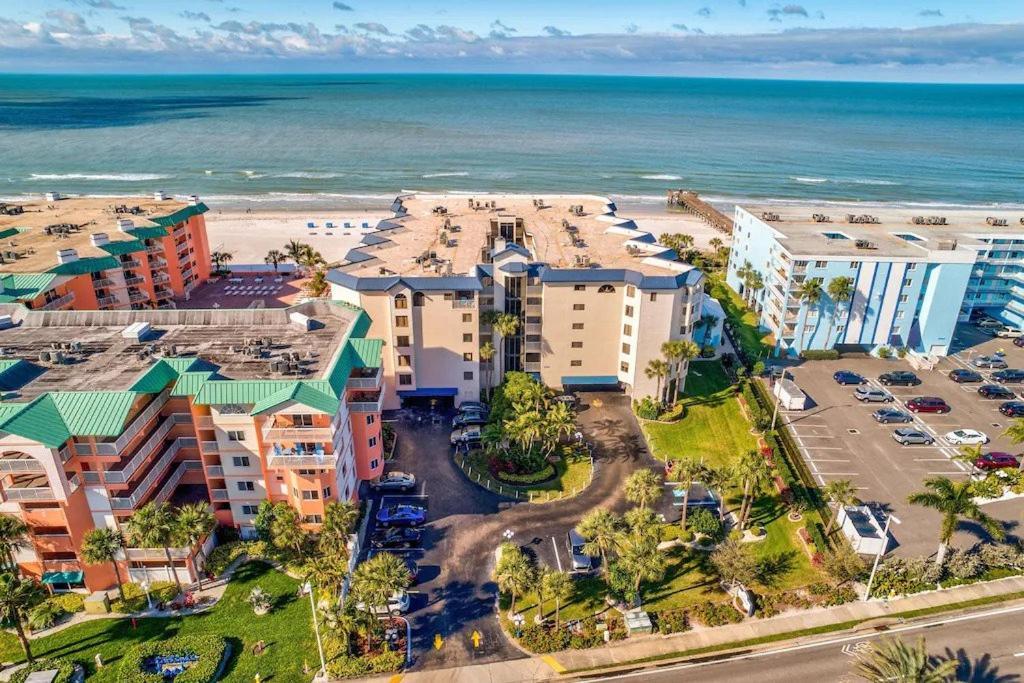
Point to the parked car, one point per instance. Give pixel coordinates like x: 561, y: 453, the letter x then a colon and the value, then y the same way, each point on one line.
x: 996, y: 391
x: 871, y: 395
x: 398, y: 604
x: 568, y: 399
x: 1019, y: 341
x: 403, y: 537
x: 395, y: 481
x: 401, y: 515
x: 928, y: 404
x: 581, y: 562
x: 469, y: 419
x: 966, y: 437
x: 891, y: 415
x: 465, y: 436
x: 991, y: 362
x: 907, y: 436
x: 474, y: 407
x: 903, y: 378
x: 964, y: 376
x: 989, y: 323
x: 845, y: 377
x: 997, y: 461
x: 1010, y: 376
x: 1012, y: 409
x: 1009, y: 333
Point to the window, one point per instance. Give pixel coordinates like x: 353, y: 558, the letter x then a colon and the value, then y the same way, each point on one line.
x: 372, y: 441
x: 653, y: 296
x: 855, y: 264
x: 401, y: 301
x: 533, y: 320
x: 401, y: 321
x: 236, y: 435
x: 629, y: 311
x: 449, y: 296
x: 310, y: 495
x: 467, y: 375
x: 404, y: 360
x: 626, y: 348
x: 302, y: 420
x: 327, y: 492
x: 577, y: 326
x: 468, y: 356
x: 245, y: 486
x: 370, y: 419
x: 533, y: 301
x: 403, y: 340
x: 840, y: 328
x: 576, y: 363
x: 899, y: 315
x: 250, y: 510
x: 627, y: 330
x: 418, y: 299
x: 605, y: 289
x: 579, y: 307
x: 820, y: 264
x: 240, y: 460
x: 405, y: 380
x: 533, y: 358
x: 467, y: 337
x: 467, y: 317
x: 577, y: 345
x: 630, y: 290
x: 911, y: 266
x: 373, y: 466
x: 624, y: 366
x: 313, y: 519
x: 579, y: 288
x: 907, y: 282
x: 904, y: 298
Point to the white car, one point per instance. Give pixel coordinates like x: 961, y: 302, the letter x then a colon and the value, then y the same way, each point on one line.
x: 1009, y: 333
x: 966, y: 437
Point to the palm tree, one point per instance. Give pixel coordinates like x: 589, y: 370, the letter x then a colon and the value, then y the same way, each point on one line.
x: 339, y: 520
x: 13, y: 536
x: 296, y: 251
x: 809, y: 292
x: 104, y: 545
x: 311, y: 258
x: 514, y: 574
x: 685, y: 471
x: 744, y: 274
x: 558, y: 422
x: 486, y: 359
x: 756, y: 285
x: 1015, y: 433
x: 506, y: 325
x: 734, y: 563
x: 753, y: 472
x: 955, y: 501
x: 672, y: 351
x: 379, y: 578
x: 893, y: 660
x: 842, y: 493
x: 840, y: 290
x: 194, y: 522
x: 286, y: 532
x: 318, y: 285
x: 17, y: 597
x: 643, y: 487
x: 717, y: 479
x: 687, y: 352
x: 656, y: 369
x: 342, y: 618
x: 274, y: 258
x: 152, y: 526
x: 638, y: 553
x: 707, y: 323
x: 219, y: 258
x: 601, y: 529
x: 560, y: 587
x: 969, y: 455
x: 326, y: 572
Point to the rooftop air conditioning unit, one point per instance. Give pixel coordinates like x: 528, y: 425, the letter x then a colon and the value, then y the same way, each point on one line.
x: 98, y: 239
x: 66, y: 256
x: 137, y: 331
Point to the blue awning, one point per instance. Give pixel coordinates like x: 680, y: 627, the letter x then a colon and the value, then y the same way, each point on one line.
x: 62, y: 577
x: 429, y: 392
x: 589, y: 380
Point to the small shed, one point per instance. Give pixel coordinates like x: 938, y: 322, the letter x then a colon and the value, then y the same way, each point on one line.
x: 863, y: 529
x: 790, y: 396
x: 638, y: 621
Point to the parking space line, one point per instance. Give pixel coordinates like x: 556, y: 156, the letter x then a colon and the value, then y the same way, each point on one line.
x: 558, y: 558
x: 839, y: 474
x: 823, y: 448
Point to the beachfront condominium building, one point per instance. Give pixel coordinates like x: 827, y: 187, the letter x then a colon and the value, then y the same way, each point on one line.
x: 593, y: 296
x: 91, y: 253
x: 106, y: 411
x: 913, y: 277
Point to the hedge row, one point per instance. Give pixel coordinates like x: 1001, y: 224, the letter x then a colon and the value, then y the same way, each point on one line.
x: 209, y: 649
x: 820, y: 354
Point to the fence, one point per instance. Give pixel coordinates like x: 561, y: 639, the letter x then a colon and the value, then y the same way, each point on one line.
x: 484, y: 478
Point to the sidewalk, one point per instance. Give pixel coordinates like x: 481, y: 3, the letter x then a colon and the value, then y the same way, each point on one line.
x: 547, y: 667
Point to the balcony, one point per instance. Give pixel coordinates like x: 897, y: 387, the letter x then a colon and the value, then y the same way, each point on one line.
x: 21, y: 465
x: 28, y: 487
x: 161, y: 277
x: 155, y: 249
x: 159, y: 469
x: 107, y: 300
x: 163, y: 293
x: 59, y: 303
x: 297, y: 433
x: 365, y: 378
x: 209, y: 447
x: 145, y: 450
x: 463, y: 303
x: 365, y: 402
x: 158, y: 263
x: 219, y: 494
x: 134, y: 280
x: 204, y: 422
x: 155, y: 554
x: 187, y: 273
x: 180, y: 231
x: 216, y: 471
x: 183, y: 468
x: 103, y: 282
x: 137, y: 425
x: 291, y: 459
x: 130, y: 263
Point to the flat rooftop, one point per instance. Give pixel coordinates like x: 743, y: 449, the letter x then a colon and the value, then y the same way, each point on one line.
x: 37, y: 251
x: 546, y: 236
x: 105, y: 360
x: 838, y: 236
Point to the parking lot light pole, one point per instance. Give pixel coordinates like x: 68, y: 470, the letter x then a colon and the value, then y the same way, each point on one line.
x: 878, y: 556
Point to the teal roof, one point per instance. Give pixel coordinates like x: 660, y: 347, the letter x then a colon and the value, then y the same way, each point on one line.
x: 15, y: 374
x: 178, y: 216
x: 10, y: 232
x: 123, y: 247
x: 299, y: 392
x: 39, y: 420
x: 367, y: 352
x: 51, y: 419
x: 249, y: 392
x: 148, y: 233
x: 189, y: 383
x: 8, y: 410
x: 24, y: 286
x: 167, y: 370
x: 91, y: 264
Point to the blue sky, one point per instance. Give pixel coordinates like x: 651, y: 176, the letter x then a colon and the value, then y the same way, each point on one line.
x: 870, y: 39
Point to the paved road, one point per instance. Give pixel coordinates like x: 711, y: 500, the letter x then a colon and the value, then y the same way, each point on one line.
x: 989, y: 646
x: 456, y: 594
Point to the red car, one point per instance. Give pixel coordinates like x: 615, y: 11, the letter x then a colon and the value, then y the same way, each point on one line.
x: 996, y: 461
x: 928, y: 404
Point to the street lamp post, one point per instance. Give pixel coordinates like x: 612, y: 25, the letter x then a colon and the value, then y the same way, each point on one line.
x: 145, y: 586
x: 878, y: 556
x: 316, y: 629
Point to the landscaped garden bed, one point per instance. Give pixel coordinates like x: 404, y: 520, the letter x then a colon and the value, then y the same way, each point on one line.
x: 183, y: 659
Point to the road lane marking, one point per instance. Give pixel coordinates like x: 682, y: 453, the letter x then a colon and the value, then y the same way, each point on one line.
x: 553, y: 663
x: 558, y: 558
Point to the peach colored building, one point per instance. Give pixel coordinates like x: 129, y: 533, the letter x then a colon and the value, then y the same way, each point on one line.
x: 106, y: 411
x: 594, y: 295
x: 90, y: 253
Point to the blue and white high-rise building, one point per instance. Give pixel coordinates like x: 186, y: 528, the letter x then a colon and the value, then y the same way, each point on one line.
x: 914, y: 276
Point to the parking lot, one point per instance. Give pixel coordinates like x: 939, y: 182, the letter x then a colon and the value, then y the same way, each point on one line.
x: 841, y: 440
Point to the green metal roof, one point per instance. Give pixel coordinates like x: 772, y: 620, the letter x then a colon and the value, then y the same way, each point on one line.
x: 10, y: 232
x: 302, y: 393
x: 249, y: 392
x: 8, y: 410
x: 94, y: 413
x: 367, y: 352
x: 15, y: 374
x: 166, y: 370
x: 39, y: 420
x: 91, y: 264
x: 180, y: 215
x: 148, y: 233
x: 189, y: 383
x: 24, y: 286
x: 123, y: 247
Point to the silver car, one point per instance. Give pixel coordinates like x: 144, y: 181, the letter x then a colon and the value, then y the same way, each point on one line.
x: 907, y: 436
x: 872, y: 395
x: 581, y: 562
x: 993, y: 362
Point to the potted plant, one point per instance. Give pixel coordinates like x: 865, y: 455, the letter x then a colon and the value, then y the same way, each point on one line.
x: 260, y: 601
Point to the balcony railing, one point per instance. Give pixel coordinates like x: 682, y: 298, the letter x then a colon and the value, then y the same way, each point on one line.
x: 74, y: 482
x: 134, y: 280
x: 130, y: 263
x: 365, y: 404
x: 291, y: 460
x: 138, y: 297
x: 215, y: 470
x: 103, y: 282
x: 159, y: 469
x: 187, y: 273
x: 155, y: 249
x: 107, y: 300
x: 368, y: 378
x: 218, y: 494
x: 159, y: 277
x: 158, y: 263
x: 204, y: 422
x: 29, y: 493
x: 155, y: 554
x: 147, y: 449
x: 183, y: 468
x: 208, y: 446
x: 59, y: 303
x: 304, y: 434
x: 20, y: 465
x: 141, y: 421
x: 463, y: 303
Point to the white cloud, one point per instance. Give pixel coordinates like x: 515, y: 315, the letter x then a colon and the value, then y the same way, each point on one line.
x: 555, y: 32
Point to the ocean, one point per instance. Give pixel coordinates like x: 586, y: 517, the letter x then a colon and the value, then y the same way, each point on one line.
x: 360, y: 139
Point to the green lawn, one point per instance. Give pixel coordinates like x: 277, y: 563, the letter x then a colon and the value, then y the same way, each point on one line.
x: 287, y: 632
x: 756, y: 343
x: 713, y: 428
x: 587, y: 601
x: 572, y: 476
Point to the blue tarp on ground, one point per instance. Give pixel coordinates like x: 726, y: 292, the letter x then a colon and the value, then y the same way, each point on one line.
x: 589, y: 380
x: 427, y: 392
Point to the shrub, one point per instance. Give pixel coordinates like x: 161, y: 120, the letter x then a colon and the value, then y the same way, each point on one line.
x: 902, y: 576
x: 540, y: 639
x: 135, y: 597
x: 350, y: 667
x: 713, y: 614
x: 259, y: 599
x: 902, y: 351
x: 69, y: 602
x: 647, y: 408
x: 884, y: 352
x: 964, y: 565
x: 44, y: 615
x: 65, y: 670
x: 672, y: 621
x: 705, y: 522
x: 209, y: 649
x: 221, y: 557
x: 758, y: 368
x: 817, y: 535
x: 707, y: 351
x: 819, y: 354
x: 1001, y: 556
x: 545, y: 473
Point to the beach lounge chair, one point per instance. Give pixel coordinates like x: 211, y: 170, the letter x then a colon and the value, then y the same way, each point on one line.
x: 311, y: 226
x: 366, y: 225
x: 347, y: 225
x: 329, y: 225
x: 258, y: 280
